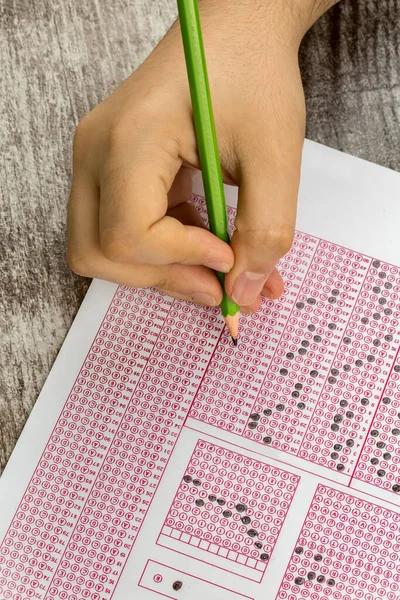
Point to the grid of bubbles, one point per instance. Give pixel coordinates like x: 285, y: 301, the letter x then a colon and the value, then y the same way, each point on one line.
x: 358, y: 375
x: 310, y: 369
x: 304, y: 355
x: 379, y: 462
x: 348, y: 549
x: 83, y: 508
x: 232, y: 503
x: 236, y: 384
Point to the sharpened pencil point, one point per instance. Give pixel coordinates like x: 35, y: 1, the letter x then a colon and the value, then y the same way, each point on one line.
x: 232, y: 323
x: 235, y: 342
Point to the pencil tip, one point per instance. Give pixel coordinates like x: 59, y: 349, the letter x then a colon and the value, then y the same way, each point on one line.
x: 234, y: 340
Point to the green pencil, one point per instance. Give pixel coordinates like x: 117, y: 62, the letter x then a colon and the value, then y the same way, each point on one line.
x: 206, y: 141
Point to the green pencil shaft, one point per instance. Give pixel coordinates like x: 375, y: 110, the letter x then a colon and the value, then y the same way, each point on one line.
x: 205, y: 130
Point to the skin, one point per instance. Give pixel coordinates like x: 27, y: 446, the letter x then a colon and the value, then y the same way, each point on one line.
x: 135, y: 155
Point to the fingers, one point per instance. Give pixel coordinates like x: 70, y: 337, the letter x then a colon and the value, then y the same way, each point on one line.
x: 181, y: 189
x: 187, y: 214
x: 85, y: 257
x: 273, y: 287
x: 265, y: 225
x: 133, y: 225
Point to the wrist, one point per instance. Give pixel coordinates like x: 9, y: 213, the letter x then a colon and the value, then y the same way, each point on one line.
x: 309, y: 11
x: 284, y: 19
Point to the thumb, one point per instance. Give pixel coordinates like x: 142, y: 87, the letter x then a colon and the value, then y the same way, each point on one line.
x: 265, y: 224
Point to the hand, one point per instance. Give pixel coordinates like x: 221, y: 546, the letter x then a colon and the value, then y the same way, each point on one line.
x: 135, y: 155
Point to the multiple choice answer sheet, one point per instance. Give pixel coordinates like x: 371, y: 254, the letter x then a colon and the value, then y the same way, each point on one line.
x: 162, y: 462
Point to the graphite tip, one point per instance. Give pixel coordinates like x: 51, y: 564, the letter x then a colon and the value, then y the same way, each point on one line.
x: 235, y: 342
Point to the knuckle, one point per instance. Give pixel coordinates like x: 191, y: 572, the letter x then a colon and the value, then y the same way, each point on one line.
x: 79, y: 264
x: 118, y: 246
x: 120, y: 131
x: 280, y: 239
x: 165, y: 279
x: 277, y: 240
x: 81, y: 133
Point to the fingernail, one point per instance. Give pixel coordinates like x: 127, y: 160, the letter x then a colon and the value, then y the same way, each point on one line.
x: 202, y: 298
x: 247, y: 287
x: 219, y: 266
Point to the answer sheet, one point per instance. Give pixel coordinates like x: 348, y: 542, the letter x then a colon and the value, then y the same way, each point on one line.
x: 162, y: 462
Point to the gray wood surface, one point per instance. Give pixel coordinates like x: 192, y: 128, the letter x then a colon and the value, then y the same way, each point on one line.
x: 59, y: 58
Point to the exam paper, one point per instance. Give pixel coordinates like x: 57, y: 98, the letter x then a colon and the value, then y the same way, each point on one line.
x: 160, y: 461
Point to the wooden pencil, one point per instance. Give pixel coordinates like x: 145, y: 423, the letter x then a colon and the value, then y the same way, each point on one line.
x: 210, y: 163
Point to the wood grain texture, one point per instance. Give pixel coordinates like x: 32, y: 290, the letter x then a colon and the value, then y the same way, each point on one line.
x: 59, y: 58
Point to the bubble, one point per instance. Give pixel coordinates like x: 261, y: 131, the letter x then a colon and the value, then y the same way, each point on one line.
x: 177, y: 585
x: 252, y: 533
